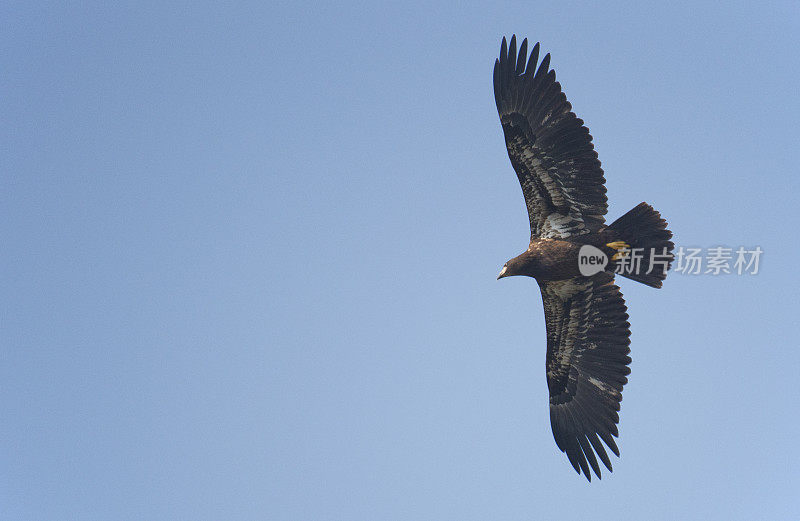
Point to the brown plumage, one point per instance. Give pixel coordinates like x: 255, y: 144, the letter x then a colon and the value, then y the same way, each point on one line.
x: 586, y: 318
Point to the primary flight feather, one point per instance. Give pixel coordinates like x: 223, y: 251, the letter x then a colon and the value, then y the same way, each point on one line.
x: 585, y: 315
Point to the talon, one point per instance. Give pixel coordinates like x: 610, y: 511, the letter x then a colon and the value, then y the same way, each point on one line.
x: 618, y: 245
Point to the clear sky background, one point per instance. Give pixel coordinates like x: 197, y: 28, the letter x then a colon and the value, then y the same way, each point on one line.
x: 249, y: 256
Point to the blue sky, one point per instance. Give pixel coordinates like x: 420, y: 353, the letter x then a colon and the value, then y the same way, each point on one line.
x: 249, y: 261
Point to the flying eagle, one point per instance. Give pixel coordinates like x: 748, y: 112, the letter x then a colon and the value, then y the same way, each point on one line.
x: 587, y: 321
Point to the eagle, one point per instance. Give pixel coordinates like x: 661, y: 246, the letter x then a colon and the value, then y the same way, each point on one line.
x: 588, y: 333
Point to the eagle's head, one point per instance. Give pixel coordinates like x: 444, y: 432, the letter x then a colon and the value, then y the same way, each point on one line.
x: 524, y: 264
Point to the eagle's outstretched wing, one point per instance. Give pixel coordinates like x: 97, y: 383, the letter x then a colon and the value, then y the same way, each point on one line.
x: 587, y: 365
x: 549, y: 147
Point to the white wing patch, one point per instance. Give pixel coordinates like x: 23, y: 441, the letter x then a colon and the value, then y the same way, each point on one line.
x: 601, y: 385
x: 558, y: 225
x: 566, y: 289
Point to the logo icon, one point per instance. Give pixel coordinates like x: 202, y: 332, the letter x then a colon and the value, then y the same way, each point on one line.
x: 591, y: 260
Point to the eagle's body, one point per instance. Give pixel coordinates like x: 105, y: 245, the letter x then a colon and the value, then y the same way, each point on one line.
x: 586, y: 318
x: 557, y: 259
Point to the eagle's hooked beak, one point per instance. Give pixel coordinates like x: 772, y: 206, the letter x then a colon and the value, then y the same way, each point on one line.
x: 503, y: 273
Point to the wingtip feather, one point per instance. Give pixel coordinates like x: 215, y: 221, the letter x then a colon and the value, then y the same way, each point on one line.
x: 512, y: 54
x: 523, y: 54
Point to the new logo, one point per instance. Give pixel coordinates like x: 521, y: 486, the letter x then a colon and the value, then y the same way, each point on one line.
x: 591, y: 260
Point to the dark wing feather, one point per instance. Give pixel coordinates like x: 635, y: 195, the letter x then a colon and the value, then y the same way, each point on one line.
x: 548, y: 145
x: 587, y: 365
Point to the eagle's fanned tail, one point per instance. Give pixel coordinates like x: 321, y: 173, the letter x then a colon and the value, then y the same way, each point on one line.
x: 646, y: 233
